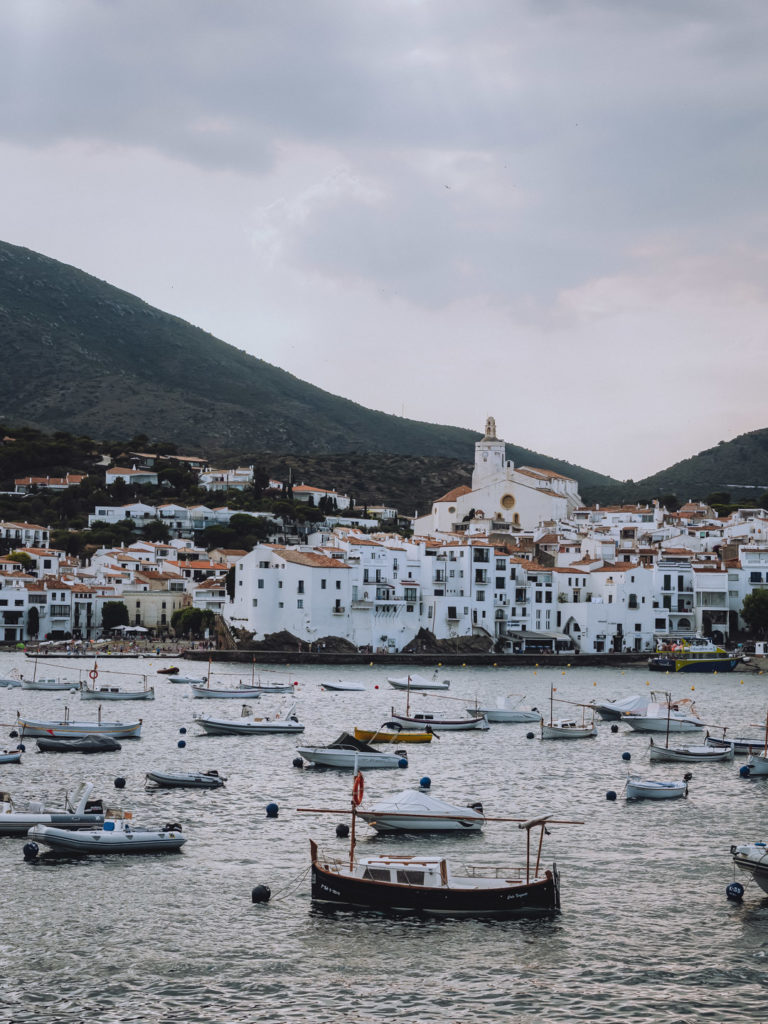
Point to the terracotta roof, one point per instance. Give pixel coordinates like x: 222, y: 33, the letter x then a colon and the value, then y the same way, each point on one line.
x: 457, y: 492
x: 310, y: 558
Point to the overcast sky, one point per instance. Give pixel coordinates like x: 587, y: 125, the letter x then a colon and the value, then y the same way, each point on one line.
x: 549, y: 211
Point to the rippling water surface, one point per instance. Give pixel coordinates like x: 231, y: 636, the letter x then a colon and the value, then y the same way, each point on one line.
x: 645, y: 933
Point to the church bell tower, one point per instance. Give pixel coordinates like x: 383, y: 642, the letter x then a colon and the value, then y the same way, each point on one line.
x: 490, y: 457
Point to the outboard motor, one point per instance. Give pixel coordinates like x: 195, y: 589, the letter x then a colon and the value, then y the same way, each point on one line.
x: 476, y: 806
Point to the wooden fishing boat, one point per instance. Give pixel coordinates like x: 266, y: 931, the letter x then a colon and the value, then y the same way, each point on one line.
x: 738, y: 744
x: 699, y: 752
x: 757, y: 763
x: 107, y: 692
x: 507, y: 709
x: 249, y: 724
x: 568, y: 728
x: 665, y: 716
x: 11, y: 756
x: 418, y: 721
x: 638, y: 788
x: 67, y: 727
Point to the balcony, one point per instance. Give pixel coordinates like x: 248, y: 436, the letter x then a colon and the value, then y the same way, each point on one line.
x: 339, y: 609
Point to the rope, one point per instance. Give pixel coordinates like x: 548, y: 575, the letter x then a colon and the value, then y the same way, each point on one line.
x: 283, y: 894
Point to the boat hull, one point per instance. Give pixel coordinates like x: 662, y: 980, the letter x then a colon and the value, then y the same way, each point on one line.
x: 400, y: 736
x: 78, y: 745
x: 329, y: 758
x: 757, y: 764
x: 186, y: 780
x: 417, y: 683
x: 211, y: 692
x: 741, y: 745
x: 699, y: 754
x: 753, y: 858
x: 551, y: 731
x: 123, y: 841
x: 510, y: 900
x: 221, y: 727
x: 646, y: 724
x: 101, y: 695
x: 665, y: 663
x: 65, y: 730
x: 19, y: 823
x: 650, y: 789
x: 416, y: 723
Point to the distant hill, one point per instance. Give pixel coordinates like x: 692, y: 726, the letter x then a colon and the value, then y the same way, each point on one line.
x: 738, y: 467
x: 81, y: 356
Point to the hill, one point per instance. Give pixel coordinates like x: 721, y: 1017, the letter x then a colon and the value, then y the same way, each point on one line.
x: 93, y: 360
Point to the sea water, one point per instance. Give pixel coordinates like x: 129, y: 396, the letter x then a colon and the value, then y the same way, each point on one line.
x: 645, y: 934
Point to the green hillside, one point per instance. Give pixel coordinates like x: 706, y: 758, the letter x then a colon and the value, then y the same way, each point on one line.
x: 92, y: 360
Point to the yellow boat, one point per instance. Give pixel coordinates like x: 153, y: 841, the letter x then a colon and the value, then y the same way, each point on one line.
x: 374, y: 736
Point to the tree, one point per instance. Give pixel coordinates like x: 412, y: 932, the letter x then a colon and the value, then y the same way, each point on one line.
x: 155, y: 531
x: 754, y: 611
x: 113, y: 613
x: 27, y: 562
x: 192, y: 621
x: 33, y: 621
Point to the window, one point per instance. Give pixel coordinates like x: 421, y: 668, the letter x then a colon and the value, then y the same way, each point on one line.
x: 322, y: 584
x: 500, y: 582
x: 260, y: 584
x: 660, y: 624
x: 280, y: 604
x: 300, y: 587
x: 338, y: 584
x: 255, y: 602
x: 300, y: 603
x: 279, y: 584
x: 481, y: 595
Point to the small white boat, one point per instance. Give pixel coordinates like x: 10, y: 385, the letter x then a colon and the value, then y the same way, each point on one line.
x: 117, y: 835
x: 738, y: 744
x: 639, y: 788
x: 205, y: 690
x: 79, y: 811
x: 414, y: 810
x: 11, y: 756
x: 507, y: 710
x: 611, y: 711
x: 346, y: 687
x: 49, y: 684
x: 186, y: 780
x: 752, y: 858
x: 185, y: 679
x: 418, y: 721
x: 67, y: 727
x: 13, y: 678
x: 249, y: 724
x: 757, y: 763
x: 347, y: 752
x: 699, y: 753
x: 417, y: 682
x: 567, y: 729
x: 108, y: 692
x: 665, y: 716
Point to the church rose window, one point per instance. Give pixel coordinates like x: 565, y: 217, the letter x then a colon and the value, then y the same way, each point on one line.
x: 508, y: 501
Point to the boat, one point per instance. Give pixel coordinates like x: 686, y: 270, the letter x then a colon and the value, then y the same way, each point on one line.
x: 79, y: 811
x: 346, y: 687
x: 249, y: 724
x: 417, y: 682
x: 567, y: 728
x: 95, y: 692
x: 418, y: 721
x: 49, y: 684
x: 67, y: 728
x: 739, y: 744
x: 413, y: 810
x: 116, y: 835
x: 757, y: 763
x: 169, y: 670
x: 700, y: 752
x: 223, y: 692
x: 13, y: 678
x: 695, y: 655
x: 752, y: 858
x: 665, y: 716
x: 612, y: 710
x: 90, y: 744
x: 393, y: 732
x: 11, y: 756
x: 187, y: 680
x: 347, y: 752
x: 186, y: 780
x: 638, y: 788
x: 507, y: 709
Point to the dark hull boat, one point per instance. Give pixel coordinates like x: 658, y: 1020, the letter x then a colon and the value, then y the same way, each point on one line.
x: 78, y: 745
x: 425, y: 885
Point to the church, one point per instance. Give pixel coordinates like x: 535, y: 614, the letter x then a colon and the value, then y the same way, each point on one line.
x: 500, y: 495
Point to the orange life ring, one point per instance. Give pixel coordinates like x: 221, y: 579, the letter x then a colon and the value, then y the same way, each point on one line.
x: 358, y: 789
x: 93, y: 674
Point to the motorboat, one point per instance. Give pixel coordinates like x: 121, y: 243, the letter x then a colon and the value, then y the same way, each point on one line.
x: 169, y: 670
x: 13, y: 678
x: 188, y: 680
x: 752, y: 858
x: 117, y: 834
x: 427, y: 884
x: 249, y: 724
x: 695, y: 655
x: 612, y: 710
x: 507, y: 709
x: 665, y: 716
x: 413, y: 810
x: 11, y: 756
x: 347, y: 752
x: 68, y: 728
x: 79, y: 811
x: 91, y: 744
x: 638, y: 788
x: 418, y: 721
x: 393, y: 732
x: 417, y: 682
x: 345, y: 687
x: 700, y: 753
x: 186, y: 780
x: 757, y: 762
